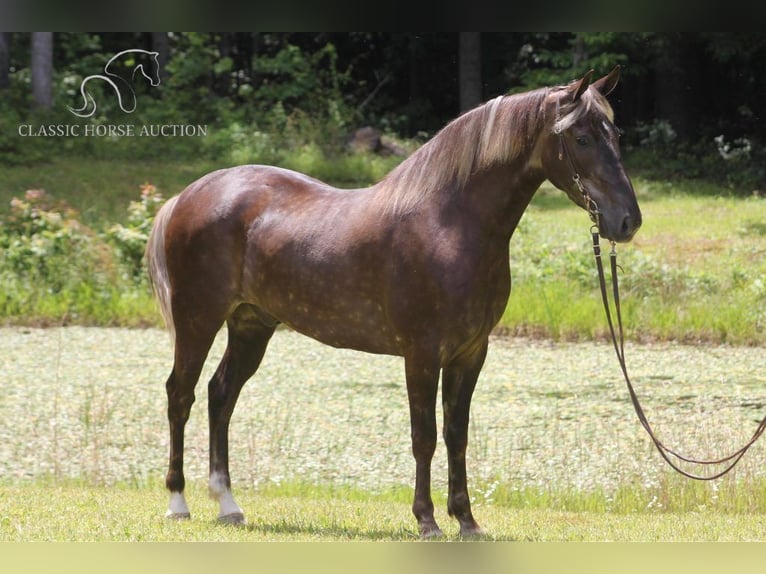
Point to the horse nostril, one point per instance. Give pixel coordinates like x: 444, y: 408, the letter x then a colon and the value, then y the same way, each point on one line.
x: 625, y: 225
x: 630, y: 225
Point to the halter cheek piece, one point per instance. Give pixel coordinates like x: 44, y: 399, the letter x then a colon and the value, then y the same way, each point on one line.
x: 589, y: 203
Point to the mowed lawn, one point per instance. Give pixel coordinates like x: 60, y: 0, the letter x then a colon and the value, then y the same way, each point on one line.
x: 99, y: 513
x: 320, y: 443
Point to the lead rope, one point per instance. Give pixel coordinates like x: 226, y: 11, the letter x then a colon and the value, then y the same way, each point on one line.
x: 619, y: 348
x: 618, y: 340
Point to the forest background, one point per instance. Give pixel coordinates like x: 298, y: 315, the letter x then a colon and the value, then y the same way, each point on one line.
x: 686, y: 97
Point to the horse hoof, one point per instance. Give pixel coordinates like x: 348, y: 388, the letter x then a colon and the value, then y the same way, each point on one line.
x: 471, y: 532
x: 170, y: 515
x: 430, y: 531
x: 235, y: 519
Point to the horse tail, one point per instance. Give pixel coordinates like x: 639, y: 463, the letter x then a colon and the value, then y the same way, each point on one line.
x: 157, y: 263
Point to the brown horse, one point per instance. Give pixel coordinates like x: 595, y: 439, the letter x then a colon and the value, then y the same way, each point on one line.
x: 416, y: 266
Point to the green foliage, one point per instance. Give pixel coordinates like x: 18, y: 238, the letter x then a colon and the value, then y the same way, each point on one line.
x: 46, y: 249
x: 130, y: 239
x: 655, y: 149
x: 55, y: 269
x: 284, y: 101
x: 297, y: 79
x: 14, y: 149
x: 264, y: 94
x: 556, y: 59
x: 187, y: 95
x: 676, y: 292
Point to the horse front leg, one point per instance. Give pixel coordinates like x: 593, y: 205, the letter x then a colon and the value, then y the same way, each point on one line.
x: 422, y: 383
x: 459, y: 381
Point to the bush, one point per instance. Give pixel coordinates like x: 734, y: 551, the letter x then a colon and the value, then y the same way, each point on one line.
x: 45, y: 244
x: 739, y: 164
x: 56, y: 269
x: 130, y: 240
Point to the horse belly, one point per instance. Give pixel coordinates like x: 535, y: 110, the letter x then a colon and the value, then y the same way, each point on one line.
x: 344, y: 332
x: 344, y: 322
x: 335, y: 300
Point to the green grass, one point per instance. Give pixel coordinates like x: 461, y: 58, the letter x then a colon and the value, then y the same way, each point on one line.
x: 320, y: 447
x: 102, y: 189
x: 84, y: 512
x: 555, y: 310
x: 99, y: 189
x: 694, y: 272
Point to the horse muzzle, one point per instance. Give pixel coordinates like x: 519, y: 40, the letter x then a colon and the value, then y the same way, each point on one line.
x: 620, y: 227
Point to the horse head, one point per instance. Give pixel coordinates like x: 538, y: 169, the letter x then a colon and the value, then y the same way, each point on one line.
x: 581, y: 155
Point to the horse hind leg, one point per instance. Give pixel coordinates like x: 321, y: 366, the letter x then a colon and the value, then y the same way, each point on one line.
x: 190, y: 354
x: 249, y: 332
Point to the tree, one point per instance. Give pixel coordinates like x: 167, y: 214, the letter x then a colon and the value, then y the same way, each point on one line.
x: 469, y: 72
x: 42, y: 69
x: 161, y: 45
x: 5, y: 59
x: 676, y: 81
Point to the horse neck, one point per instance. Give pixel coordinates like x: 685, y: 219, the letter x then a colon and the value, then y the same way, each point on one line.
x: 497, y: 197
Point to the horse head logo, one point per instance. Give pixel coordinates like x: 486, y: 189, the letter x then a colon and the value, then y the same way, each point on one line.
x: 134, y: 60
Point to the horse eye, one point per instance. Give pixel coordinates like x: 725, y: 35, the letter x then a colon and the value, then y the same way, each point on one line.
x: 581, y: 140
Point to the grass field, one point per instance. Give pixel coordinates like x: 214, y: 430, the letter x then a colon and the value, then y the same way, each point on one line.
x: 320, y: 443
x: 88, y: 513
x: 694, y: 272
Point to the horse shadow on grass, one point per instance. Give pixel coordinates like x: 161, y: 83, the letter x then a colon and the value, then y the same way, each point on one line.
x: 342, y: 532
x: 336, y: 531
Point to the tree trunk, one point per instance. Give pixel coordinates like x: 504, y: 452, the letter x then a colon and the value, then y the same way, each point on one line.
x: 161, y: 45
x: 42, y: 69
x: 469, y: 70
x: 675, y: 83
x: 5, y: 59
x: 579, y: 54
x: 414, y: 61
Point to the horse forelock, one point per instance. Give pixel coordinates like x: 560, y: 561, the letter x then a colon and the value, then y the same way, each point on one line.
x: 591, y: 101
x: 498, y: 131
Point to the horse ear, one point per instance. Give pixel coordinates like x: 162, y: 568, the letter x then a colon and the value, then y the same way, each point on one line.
x: 578, y: 87
x: 606, y: 84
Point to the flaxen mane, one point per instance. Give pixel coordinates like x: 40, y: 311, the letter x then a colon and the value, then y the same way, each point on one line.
x: 498, y: 131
